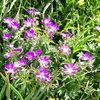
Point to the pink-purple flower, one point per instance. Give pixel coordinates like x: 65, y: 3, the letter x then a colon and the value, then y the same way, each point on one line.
x: 9, y: 67
x: 29, y: 22
x: 30, y: 55
x: 30, y: 33
x: 44, y: 61
x: 10, y: 45
x: 65, y: 49
x: 17, y: 49
x: 65, y: 35
x: 32, y: 11
x: 43, y: 75
x: 22, y: 62
x: 8, y: 20
x: 38, y: 52
x: 86, y: 56
x: 72, y: 34
x: 50, y: 27
x: 70, y: 69
x: 6, y: 36
x: 46, y: 21
x: 51, y: 30
x: 17, y: 64
x: 15, y: 25
x: 11, y: 23
x: 8, y: 55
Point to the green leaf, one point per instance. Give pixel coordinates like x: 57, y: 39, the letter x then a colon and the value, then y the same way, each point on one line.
x: 16, y: 92
x: 30, y: 95
x: 81, y: 44
x: 2, y: 92
x: 84, y: 41
x: 46, y: 7
x: 12, y: 4
x: 12, y: 87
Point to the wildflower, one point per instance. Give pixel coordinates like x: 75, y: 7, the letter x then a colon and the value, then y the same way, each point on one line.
x: 30, y: 55
x: 65, y: 49
x: 28, y: 22
x: 65, y: 35
x: 46, y: 21
x: 86, y: 56
x: 43, y: 75
x: 38, y: 52
x: 23, y: 62
x: 32, y: 11
x: 10, y: 68
x: 72, y: 34
x: 7, y: 55
x: 10, y: 45
x: 8, y: 20
x: 15, y: 25
x: 52, y: 28
x: 30, y: 33
x: 6, y: 36
x: 17, y: 64
x: 17, y: 49
x: 44, y: 61
x: 80, y: 55
x: 97, y: 28
x: 70, y: 69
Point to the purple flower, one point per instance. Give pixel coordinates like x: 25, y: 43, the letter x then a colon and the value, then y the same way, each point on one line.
x: 10, y: 23
x: 44, y: 61
x: 17, y: 64
x: 15, y: 25
x: 65, y: 49
x: 23, y: 62
x: 86, y: 56
x: 28, y: 22
x: 8, y: 20
x: 46, y: 21
x: 8, y: 55
x: 32, y: 11
x: 10, y: 45
x: 30, y: 33
x: 30, y: 55
x: 38, y: 52
x: 70, y: 69
x: 10, y: 68
x: 17, y: 49
x: 72, y: 34
x: 43, y: 75
x: 6, y: 36
x: 65, y: 35
x: 52, y: 28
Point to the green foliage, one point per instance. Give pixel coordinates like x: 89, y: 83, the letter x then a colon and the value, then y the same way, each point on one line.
x: 73, y: 16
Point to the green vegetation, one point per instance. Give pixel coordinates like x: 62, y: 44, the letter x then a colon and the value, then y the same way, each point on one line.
x: 81, y: 20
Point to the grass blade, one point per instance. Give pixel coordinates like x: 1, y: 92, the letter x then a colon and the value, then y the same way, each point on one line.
x: 12, y: 4
x: 12, y: 88
x: 2, y: 92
